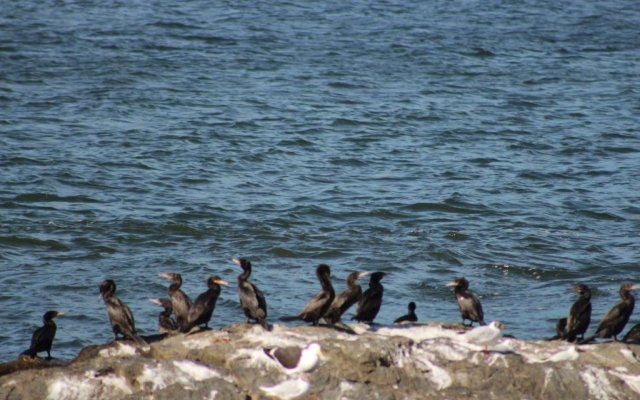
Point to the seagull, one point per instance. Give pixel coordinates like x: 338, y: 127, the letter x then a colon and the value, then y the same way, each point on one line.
x: 287, y: 389
x: 484, y: 335
x: 294, y: 359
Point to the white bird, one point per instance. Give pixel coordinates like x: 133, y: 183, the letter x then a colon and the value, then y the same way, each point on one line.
x: 570, y: 354
x: 294, y: 359
x: 287, y: 389
x: 484, y: 335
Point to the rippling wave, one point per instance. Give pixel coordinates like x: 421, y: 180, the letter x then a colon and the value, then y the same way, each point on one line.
x: 498, y: 141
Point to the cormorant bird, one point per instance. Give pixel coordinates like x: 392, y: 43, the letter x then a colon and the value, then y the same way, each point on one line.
x: 180, y: 302
x: 345, y: 299
x: 252, y: 299
x: 165, y: 322
x: 561, y: 329
x: 202, y: 309
x: 317, y: 307
x: 470, y: 307
x: 579, y: 315
x: 120, y: 315
x: 633, y: 336
x: 411, y: 315
x: 614, y: 321
x: 371, y: 300
x: 42, y: 338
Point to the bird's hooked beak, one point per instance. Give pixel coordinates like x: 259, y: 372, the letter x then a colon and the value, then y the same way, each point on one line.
x: 362, y: 274
x: 166, y: 276
x: 236, y: 261
x: 635, y: 287
x: 452, y: 284
x: 60, y: 314
x: 221, y: 282
x: 321, y: 354
x: 156, y: 301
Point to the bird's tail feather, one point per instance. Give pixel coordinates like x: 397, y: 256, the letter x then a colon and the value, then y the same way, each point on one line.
x: 341, y: 326
x: 28, y: 352
x: 264, y: 324
x: 139, y: 341
x: 588, y: 340
x: 289, y: 318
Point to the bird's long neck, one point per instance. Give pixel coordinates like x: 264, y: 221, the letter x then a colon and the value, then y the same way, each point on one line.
x: 244, y: 276
x: 175, y: 286
x: 376, y: 285
x: 461, y: 290
x: 326, y: 283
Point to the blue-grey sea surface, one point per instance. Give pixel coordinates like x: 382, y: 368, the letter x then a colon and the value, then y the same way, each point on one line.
x: 497, y: 140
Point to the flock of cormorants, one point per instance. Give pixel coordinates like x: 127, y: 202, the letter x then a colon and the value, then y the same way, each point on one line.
x: 327, y: 306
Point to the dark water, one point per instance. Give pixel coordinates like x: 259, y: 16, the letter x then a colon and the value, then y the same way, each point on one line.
x: 499, y: 140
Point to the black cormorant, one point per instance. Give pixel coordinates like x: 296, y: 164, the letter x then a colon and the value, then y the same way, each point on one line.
x: 614, y: 321
x: 320, y: 303
x: 252, y: 299
x: 180, y: 302
x: 579, y: 315
x: 470, y: 307
x: 165, y: 322
x: 120, y: 315
x: 411, y: 315
x: 42, y: 338
x: 345, y: 299
x: 633, y: 336
x: 202, y: 309
x: 371, y: 300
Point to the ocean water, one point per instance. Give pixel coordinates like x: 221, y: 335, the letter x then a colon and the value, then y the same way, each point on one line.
x: 497, y: 140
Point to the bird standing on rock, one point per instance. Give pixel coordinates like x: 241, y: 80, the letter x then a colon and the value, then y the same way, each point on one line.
x: 294, y: 359
x: 410, y: 316
x: 371, y: 300
x: 119, y: 313
x: 165, y: 322
x: 615, y: 320
x: 633, y: 336
x: 470, y: 307
x: 42, y: 338
x: 579, y: 315
x: 180, y: 302
x: 202, y: 309
x: 484, y: 335
x: 345, y: 299
x: 252, y: 299
x: 317, y: 307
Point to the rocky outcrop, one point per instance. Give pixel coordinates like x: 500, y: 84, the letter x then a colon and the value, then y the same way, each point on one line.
x: 384, y: 362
